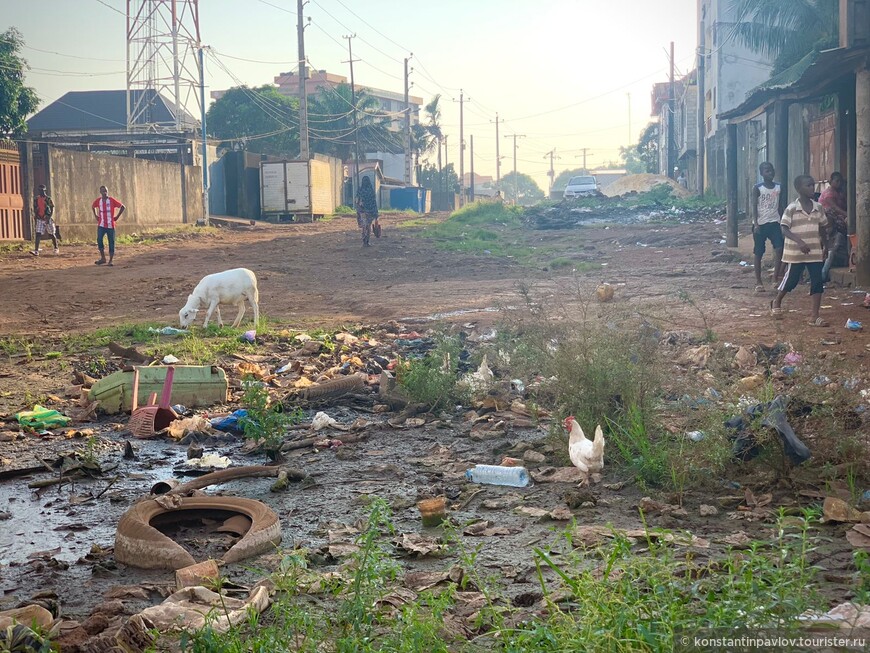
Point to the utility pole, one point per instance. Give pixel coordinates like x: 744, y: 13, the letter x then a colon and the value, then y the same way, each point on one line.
x: 516, y: 187
x: 461, y: 148
x: 583, y: 149
x: 407, y: 126
x: 443, y: 180
x: 701, y: 135
x: 497, y: 157
x: 303, y: 94
x: 672, y: 105
x: 205, y: 211
x: 552, y: 173
x: 628, y: 95
x: 355, y: 121
x: 471, y: 161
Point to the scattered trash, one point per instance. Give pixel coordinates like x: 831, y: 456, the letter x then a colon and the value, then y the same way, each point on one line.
x: 210, y: 461
x: 708, y: 511
x: 851, y: 384
x: 773, y: 416
x: 168, y: 331
x: 821, y: 379
x: 195, y: 386
x: 517, y: 385
x: 139, y: 544
x: 192, y: 608
x: 788, y: 370
x: 333, y: 388
x: 433, y: 511
x: 196, y: 424
x: 696, y: 436
x: 745, y: 358
x: 147, y: 420
x: 835, y: 509
x: 750, y: 383
x: 169, y: 359
x: 712, y: 393
x: 249, y: 336
x: 498, y: 475
x: 481, y: 379
x: 744, y: 264
x: 321, y: 421
x: 232, y: 422
x: 850, y: 617
x: 604, y: 292
x: 41, y: 418
x: 859, y: 536
x: 202, y: 573
x: 853, y: 325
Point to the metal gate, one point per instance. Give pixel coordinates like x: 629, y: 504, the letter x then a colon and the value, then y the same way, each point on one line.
x: 11, y: 200
x: 822, y: 148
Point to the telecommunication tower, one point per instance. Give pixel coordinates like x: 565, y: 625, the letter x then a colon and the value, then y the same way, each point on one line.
x: 162, y: 58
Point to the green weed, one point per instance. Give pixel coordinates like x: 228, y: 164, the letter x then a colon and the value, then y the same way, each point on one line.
x: 432, y: 380
x: 266, y: 421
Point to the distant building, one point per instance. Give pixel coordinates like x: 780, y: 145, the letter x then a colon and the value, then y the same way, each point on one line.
x: 731, y: 71
x: 389, y: 101
x: 685, y: 137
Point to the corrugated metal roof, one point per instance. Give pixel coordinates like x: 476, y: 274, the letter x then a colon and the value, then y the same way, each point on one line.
x: 101, y: 111
x: 815, y: 74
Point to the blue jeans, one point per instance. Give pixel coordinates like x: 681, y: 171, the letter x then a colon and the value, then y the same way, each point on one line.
x: 102, y: 232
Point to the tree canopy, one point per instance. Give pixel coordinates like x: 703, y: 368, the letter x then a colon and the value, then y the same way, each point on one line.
x: 643, y: 157
x: 330, y: 122
x: 17, y: 101
x: 786, y: 30
x: 257, y: 119
x: 527, y: 191
x: 446, y: 181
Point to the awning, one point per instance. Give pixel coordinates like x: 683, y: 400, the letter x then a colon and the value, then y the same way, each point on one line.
x: 817, y: 74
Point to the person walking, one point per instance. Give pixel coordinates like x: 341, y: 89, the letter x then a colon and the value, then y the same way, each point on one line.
x: 802, y: 224
x: 104, y: 211
x: 367, y: 211
x: 766, y: 215
x: 43, y: 210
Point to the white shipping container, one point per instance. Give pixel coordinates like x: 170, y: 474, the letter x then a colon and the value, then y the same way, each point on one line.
x: 290, y: 187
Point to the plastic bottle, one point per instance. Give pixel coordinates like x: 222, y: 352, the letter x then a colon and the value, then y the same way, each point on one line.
x: 498, y: 475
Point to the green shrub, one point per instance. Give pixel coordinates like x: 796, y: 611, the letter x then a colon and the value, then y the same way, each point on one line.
x: 432, y: 379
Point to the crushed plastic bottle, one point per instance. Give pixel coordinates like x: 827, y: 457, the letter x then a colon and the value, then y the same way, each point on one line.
x: 498, y: 475
x: 854, y: 325
x: 696, y: 436
x: 168, y: 331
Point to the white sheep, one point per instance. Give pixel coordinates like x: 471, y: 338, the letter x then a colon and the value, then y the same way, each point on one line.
x: 229, y: 287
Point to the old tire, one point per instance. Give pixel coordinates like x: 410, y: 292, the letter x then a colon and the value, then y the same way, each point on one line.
x: 139, y: 544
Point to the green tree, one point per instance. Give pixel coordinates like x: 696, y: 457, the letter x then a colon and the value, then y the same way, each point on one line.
x: 527, y: 191
x: 445, y: 181
x: 643, y: 157
x: 258, y: 119
x: 331, y: 128
x: 17, y: 101
x: 786, y: 30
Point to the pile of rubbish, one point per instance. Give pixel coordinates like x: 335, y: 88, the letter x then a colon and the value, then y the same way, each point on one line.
x: 646, y: 208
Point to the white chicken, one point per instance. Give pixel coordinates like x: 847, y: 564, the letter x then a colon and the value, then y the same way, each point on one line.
x: 586, y: 455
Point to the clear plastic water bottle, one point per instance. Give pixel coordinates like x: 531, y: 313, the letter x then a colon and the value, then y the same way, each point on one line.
x: 498, y: 475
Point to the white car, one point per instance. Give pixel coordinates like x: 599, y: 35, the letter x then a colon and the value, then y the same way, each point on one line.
x: 581, y: 186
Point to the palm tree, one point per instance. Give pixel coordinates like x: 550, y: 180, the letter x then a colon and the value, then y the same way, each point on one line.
x: 433, y: 112
x: 330, y: 119
x: 786, y: 30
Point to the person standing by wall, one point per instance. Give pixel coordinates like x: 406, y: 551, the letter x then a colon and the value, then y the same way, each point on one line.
x: 833, y: 200
x: 104, y: 211
x: 43, y: 211
x: 766, y: 214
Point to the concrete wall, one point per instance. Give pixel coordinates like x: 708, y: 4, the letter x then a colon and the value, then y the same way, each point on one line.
x: 151, y: 190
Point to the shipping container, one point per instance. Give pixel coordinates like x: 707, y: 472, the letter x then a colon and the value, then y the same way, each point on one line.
x: 296, y: 190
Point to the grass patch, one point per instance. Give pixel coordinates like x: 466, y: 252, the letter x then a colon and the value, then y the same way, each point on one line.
x: 433, y: 379
x: 483, y: 228
x: 623, y: 596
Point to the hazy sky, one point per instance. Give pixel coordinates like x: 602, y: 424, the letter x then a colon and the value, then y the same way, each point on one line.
x: 557, y: 72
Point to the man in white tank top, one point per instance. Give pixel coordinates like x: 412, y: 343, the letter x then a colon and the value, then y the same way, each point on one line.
x: 766, y: 215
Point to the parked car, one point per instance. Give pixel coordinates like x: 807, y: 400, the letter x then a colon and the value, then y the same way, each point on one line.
x: 581, y: 186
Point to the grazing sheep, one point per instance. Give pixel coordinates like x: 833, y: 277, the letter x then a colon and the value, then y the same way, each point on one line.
x: 229, y: 287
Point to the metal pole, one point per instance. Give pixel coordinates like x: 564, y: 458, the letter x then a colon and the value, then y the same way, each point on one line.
x: 629, y: 119
x: 731, y: 185
x: 471, y: 161
x: 701, y: 145
x: 355, y: 120
x: 175, y: 73
x: 205, y: 211
x: 461, y: 150
x: 129, y: 108
x: 304, y: 152
x: 516, y: 187
x: 407, y: 127
x: 497, y: 157
x: 862, y: 175
x: 672, y: 102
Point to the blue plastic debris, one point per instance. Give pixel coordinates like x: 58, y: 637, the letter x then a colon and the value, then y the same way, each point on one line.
x: 788, y: 370
x: 231, y: 422
x: 853, y: 325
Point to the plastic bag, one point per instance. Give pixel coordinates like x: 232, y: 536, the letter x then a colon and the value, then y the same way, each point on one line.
x: 42, y: 418
x: 232, y: 422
